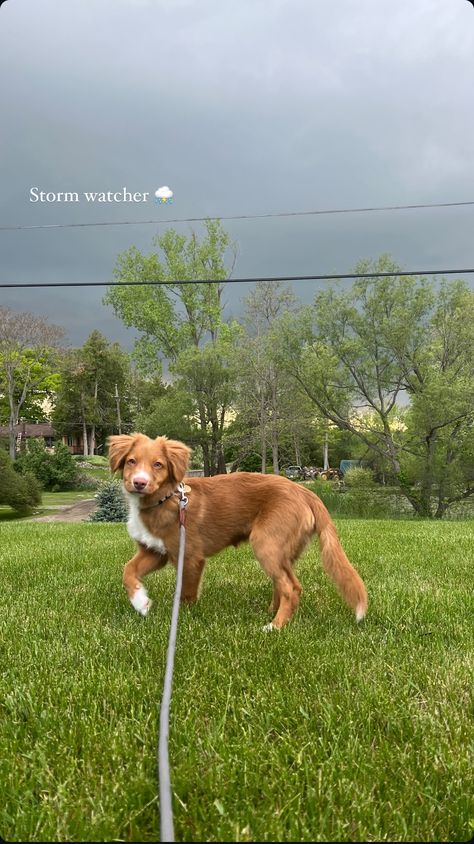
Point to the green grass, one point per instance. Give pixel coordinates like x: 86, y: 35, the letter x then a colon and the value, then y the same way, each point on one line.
x: 323, y: 732
x: 99, y: 473
x: 66, y: 497
x: 48, y: 500
x: 93, y: 460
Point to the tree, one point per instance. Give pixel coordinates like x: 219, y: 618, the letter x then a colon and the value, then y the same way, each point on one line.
x: 172, y: 412
x: 263, y: 385
x: 440, y: 423
x: 356, y: 354
x: 182, y: 322
x: 111, y: 506
x: 28, y: 355
x: 91, y: 398
x: 35, y: 407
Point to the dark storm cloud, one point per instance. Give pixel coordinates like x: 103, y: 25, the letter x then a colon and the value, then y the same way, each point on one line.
x: 239, y: 107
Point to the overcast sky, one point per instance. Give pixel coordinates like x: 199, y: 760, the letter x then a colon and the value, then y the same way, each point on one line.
x: 240, y: 107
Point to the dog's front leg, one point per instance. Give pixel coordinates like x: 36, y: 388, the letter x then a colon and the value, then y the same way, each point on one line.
x: 144, y: 561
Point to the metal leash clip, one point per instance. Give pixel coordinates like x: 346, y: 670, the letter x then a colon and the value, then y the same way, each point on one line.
x: 183, y: 500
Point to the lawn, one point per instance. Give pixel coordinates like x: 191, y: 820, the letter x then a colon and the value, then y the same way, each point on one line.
x: 323, y: 732
x: 49, y: 502
x: 65, y: 497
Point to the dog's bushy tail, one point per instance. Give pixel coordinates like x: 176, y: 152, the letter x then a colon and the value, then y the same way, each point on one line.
x: 335, y: 563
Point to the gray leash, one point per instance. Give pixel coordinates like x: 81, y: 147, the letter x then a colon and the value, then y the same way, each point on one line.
x: 166, y: 808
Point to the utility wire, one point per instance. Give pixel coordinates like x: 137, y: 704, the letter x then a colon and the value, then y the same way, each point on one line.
x: 325, y: 277
x: 265, y: 216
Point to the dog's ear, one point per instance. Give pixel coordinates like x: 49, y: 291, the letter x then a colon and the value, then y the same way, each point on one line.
x: 119, y: 446
x: 178, y: 456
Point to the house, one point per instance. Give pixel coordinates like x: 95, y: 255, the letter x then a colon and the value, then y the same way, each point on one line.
x: 42, y: 430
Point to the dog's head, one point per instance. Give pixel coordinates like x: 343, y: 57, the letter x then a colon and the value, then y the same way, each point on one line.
x: 148, y: 465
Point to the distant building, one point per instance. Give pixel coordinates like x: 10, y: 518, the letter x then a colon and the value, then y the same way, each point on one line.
x: 25, y: 431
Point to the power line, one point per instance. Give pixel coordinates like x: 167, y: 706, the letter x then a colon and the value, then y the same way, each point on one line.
x: 325, y: 277
x: 265, y: 216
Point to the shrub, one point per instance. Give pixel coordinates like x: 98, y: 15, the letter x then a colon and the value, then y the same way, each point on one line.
x: 21, y: 493
x: 111, y: 506
x: 54, y: 471
x: 359, y: 478
x: 367, y: 502
x: 91, y: 460
x: 85, y: 481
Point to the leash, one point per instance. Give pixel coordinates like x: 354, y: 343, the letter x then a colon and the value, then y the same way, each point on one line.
x: 164, y: 779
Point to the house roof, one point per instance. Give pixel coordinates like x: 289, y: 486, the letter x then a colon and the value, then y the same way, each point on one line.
x: 37, y: 429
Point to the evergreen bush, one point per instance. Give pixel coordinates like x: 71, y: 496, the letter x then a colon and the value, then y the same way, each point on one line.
x: 111, y: 506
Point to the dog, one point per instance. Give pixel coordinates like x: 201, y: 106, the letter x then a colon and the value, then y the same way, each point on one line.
x: 277, y: 516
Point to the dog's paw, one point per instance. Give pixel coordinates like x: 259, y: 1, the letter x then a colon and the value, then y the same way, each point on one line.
x: 141, y: 602
x: 268, y: 628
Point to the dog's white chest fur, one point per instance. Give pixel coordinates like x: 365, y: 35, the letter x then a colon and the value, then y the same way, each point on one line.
x: 137, y: 529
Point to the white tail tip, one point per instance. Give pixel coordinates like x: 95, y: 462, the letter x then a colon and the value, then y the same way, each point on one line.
x: 360, y: 613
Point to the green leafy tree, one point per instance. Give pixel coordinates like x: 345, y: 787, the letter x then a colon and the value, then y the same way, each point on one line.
x: 439, y: 445
x: 182, y: 322
x: 263, y: 384
x: 173, y: 414
x: 356, y: 354
x: 93, y: 397
x: 29, y: 348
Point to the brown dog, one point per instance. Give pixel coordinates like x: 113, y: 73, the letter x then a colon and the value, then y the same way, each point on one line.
x: 277, y: 517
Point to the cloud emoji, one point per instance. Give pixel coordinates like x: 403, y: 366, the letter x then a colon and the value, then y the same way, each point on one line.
x: 164, y: 193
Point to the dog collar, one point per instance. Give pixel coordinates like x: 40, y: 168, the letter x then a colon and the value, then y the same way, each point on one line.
x: 162, y: 500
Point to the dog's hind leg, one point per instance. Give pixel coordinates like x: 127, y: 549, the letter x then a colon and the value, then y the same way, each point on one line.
x: 275, y: 602
x: 192, y: 574
x: 288, y: 600
x: 297, y: 590
x: 144, y: 562
x: 286, y: 586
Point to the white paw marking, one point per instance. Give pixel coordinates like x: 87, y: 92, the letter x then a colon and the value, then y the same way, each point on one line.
x: 268, y: 628
x: 140, y: 601
x: 136, y: 528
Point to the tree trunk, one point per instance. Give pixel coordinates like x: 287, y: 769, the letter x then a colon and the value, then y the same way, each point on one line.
x: 12, y: 438
x: 427, y: 482
x: 443, y: 504
x: 13, y: 417
x: 275, y: 454
x: 92, y: 440
x: 221, y: 467
x: 297, y: 452
x: 263, y: 433
x: 206, y: 457
x: 325, y: 453
x: 14, y: 411
x: 119, y: 420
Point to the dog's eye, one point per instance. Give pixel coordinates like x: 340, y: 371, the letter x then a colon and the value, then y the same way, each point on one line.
x: 157, y: 464
x: 131, y: 461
